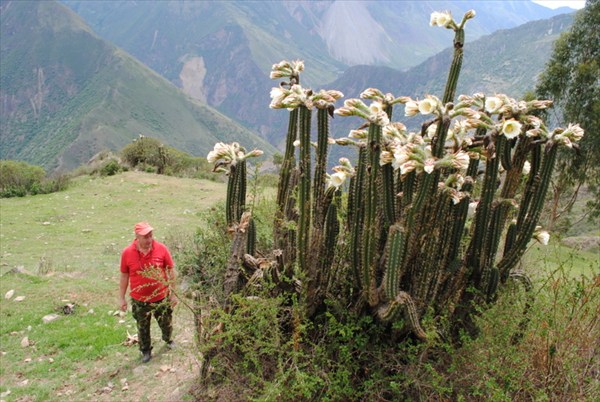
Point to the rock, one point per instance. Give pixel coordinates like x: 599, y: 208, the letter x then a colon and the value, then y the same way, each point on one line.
x: 68, y: 308
x: 49, y: 318
x: 9, y: 294
x: 19, y: 298
x: 20, y: 270
x: 25, y: 342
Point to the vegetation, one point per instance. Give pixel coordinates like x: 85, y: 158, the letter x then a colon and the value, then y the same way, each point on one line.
x: 83, y: 95
x: 18, y: 179
x: 571, y: 81
x: 150, y: 155
x: 64, y: 248
x: 396, y: 266
x: 67, y: 245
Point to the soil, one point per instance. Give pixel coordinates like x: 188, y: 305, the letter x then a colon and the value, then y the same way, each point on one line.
x: 170, y: 376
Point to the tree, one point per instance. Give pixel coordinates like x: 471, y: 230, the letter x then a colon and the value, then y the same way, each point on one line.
x: 572, y: 81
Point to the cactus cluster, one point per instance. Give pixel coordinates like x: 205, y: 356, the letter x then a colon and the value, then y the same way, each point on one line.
x: 435, y: 220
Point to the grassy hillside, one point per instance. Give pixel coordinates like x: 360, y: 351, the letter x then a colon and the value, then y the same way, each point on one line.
x: 69, y: 243
x: 96, y: 216
x: 66, y: 94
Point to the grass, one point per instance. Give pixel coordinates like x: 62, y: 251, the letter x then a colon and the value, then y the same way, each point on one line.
x: 540, y: 260
x: 68, y: 245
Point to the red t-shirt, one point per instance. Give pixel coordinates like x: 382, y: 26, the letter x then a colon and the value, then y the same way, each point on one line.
x: 147, y: 273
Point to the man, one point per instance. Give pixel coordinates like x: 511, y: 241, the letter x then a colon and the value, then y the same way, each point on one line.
x: 148, y: 269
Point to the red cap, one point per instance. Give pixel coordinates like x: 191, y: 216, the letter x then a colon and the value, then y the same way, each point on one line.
x: 143, y: 228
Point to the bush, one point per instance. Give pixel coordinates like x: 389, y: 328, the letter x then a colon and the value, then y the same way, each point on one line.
x: 110, y: 168
x: 149, y: 155
x: 18, y: 179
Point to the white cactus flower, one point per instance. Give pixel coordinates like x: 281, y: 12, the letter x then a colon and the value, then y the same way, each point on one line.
x: 337, y: 179
x: 526, y: 168
x: 411, y: 108
x: 441, y: 19
x: 428, y: 105
x: 493, y: 104
x: 511, y: 128
x: 541, y: 235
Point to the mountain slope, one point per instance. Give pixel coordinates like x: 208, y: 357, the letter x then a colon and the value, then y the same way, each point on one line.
x: 507, y: 61
x: 65, y: 94
x: 221, y: 51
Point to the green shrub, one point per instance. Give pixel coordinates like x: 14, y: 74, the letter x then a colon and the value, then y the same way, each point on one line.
x: 18, y: 179
x: 110, y: 168
x: 150, y: 155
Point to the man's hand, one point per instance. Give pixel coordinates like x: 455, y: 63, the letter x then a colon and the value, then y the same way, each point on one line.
x: 123, y: 304
x: 173, y: 299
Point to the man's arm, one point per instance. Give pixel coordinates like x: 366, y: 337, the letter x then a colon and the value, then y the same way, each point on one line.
x: 171, y: 277
x: 123, y: 284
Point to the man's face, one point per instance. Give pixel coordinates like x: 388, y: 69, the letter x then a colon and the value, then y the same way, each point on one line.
x: 144, y: 241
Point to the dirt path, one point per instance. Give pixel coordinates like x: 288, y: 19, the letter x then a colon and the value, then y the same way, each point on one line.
x: 168, y: 377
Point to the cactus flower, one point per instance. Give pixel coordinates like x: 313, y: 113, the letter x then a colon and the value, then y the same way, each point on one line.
x: 408, y: 166
x: 228, y: 152
x: 372, y: 93
x: 358, y: 134
x: 429, y: 165
x: 429, y: 105
x: 541, y: 235
x: 336, y: 179
x: 511, y: 128
x: 526, y: 168
x: 472, y: 208
x: 411, y: 108
x: 493, y: 104
x: 460, y: 160
x: 441, y: 19
x: 385, y: 157
x: 401, y: 156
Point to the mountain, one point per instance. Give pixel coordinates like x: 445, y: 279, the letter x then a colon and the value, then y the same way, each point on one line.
x: 507, y: 61
x: 221, y: 51
x: 66, y: 94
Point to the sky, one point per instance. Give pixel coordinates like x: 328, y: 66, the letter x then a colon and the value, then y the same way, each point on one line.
x: 576, y: 4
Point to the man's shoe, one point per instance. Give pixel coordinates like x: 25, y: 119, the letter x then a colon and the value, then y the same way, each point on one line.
x: 171, y: 345
x: 146, y: 356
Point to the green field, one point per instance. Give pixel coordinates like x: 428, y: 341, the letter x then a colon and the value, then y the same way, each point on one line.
x: 66, y: 248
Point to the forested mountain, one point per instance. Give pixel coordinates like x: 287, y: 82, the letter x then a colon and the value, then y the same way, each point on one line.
x: 222, y: 51
x: 66, y: 94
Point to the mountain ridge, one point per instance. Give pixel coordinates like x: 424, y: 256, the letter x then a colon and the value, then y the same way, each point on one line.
x: 81, y: 95
x: 222, y: 52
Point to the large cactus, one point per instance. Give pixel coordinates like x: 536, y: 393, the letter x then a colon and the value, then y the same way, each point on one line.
x: 409, y: 241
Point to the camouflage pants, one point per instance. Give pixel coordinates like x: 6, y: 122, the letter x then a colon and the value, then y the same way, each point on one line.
x: 142, y: 312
